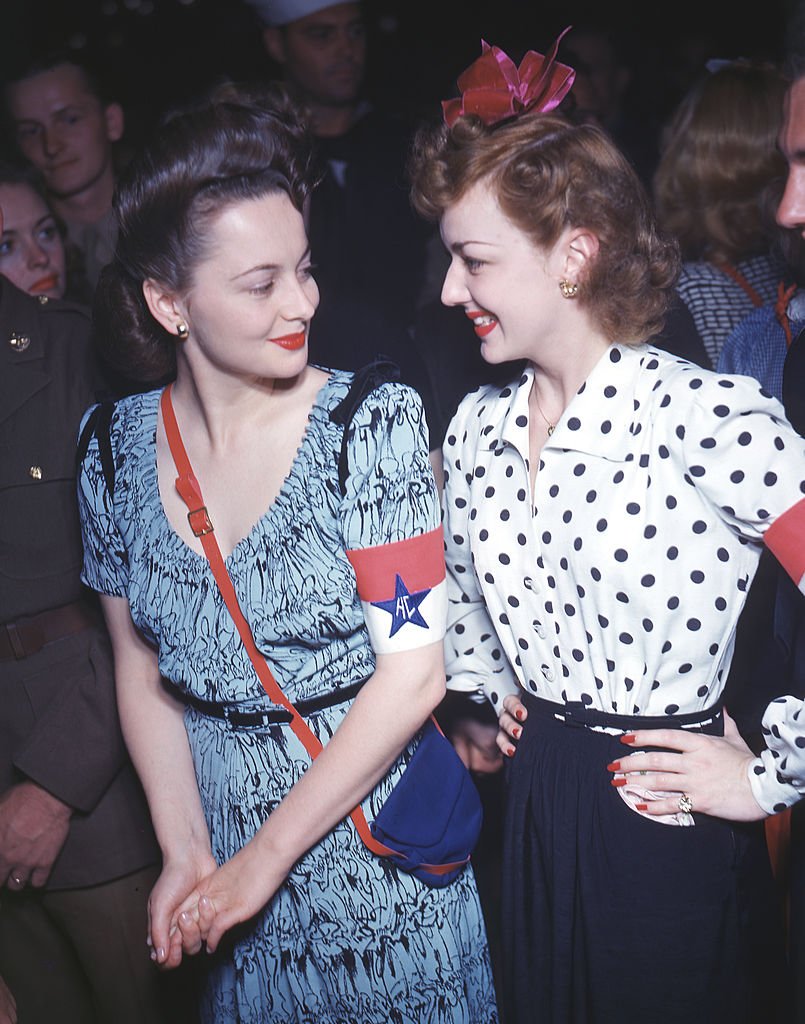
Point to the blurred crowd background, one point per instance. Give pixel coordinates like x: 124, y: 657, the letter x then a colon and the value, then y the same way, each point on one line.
x: 158, y: 52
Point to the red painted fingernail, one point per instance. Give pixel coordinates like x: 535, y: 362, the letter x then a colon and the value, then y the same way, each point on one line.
x: 519, y: 714
x: 510, y: 751
x: 628, y: 738
x: 618, y: 782
x: 614, y: 767
x: 641, y: 807
x: 517, y: 731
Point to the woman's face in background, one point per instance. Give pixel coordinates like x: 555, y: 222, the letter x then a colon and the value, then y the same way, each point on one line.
x: 31, y: 248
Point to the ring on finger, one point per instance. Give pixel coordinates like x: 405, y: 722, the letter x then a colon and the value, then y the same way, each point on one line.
x: 685, y: 804
x: 16, y: 882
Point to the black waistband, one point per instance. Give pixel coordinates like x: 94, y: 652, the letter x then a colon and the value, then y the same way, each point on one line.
x: 577, y: 713
x: 238, y: 719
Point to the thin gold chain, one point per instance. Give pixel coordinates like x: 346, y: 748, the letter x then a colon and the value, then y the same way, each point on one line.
x: 551, y: 426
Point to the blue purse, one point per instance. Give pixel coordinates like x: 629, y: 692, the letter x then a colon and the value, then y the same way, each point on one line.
x: 432, y: 818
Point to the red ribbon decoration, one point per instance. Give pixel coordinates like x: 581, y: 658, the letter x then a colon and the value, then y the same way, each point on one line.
x: 494, y: 89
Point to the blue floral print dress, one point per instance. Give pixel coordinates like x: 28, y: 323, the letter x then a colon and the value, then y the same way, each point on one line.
x: 348, y: 938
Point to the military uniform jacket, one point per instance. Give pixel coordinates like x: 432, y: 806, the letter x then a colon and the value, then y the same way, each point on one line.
x: 58, y: 714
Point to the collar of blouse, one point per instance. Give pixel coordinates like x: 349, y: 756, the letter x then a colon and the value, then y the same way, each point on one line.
x: 601, y: 419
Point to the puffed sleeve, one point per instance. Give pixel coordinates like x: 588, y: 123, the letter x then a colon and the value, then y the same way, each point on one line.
x: 742, y: 453
x: 105, y: 566
x: 777, y: 777
x: 391, y: 522
x: 474, y: 657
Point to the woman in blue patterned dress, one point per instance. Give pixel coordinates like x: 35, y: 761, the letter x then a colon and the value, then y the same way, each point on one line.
x: 212, y: 280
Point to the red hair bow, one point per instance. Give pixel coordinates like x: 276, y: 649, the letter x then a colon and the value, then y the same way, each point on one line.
x: 494, y: 89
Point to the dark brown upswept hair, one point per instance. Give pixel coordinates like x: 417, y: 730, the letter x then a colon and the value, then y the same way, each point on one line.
x: 720, y: 173
x: 236, y: 145
x: 550, y: 174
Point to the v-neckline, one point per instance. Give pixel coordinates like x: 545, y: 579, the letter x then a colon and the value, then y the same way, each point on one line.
x: 259, y: 523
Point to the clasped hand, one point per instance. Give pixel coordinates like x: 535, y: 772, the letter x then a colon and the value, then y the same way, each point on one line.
x: 214, y: 900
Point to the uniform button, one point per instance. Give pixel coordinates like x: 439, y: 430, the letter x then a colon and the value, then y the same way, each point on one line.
x: 539, y: 629
x: 548, y: 672
x: 35, y: 472
x: 19, y: 342
x: 529, y: 584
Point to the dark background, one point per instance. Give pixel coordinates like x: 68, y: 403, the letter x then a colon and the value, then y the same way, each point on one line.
x: 160, y: 52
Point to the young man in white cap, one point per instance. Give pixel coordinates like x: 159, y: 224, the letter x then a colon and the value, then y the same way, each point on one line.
x: 321, y: 47
x: 369, y: 248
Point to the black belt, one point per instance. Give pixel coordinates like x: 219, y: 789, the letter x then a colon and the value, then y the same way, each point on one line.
x: 31, y: 633
x: 275, y: 716
x: 577, y: 713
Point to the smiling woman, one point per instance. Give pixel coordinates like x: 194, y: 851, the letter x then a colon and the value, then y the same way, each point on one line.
x: 600, y: 539
x: 212, y: 285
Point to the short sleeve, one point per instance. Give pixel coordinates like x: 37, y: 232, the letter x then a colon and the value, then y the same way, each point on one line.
x: 742, y: 454
x: 777, y: 777
x: 391, y: 522
x: 105, y: 561
x: 474, y: 657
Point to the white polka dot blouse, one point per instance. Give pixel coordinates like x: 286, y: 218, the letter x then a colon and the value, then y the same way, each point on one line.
x: 619, y: 582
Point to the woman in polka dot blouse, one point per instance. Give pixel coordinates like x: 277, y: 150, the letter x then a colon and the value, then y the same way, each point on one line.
x: 604, y: 515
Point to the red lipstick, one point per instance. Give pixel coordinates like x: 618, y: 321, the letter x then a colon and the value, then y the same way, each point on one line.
x: 291, y: 342
x: 482, y: 329
x: 44, y: 284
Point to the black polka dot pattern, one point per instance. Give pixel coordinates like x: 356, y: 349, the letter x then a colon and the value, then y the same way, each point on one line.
x: 618, y: 583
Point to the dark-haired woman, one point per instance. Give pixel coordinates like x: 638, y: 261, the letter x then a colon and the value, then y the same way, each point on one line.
x: 604, y: 514
x: 32, y: 253
x: 213, y: 274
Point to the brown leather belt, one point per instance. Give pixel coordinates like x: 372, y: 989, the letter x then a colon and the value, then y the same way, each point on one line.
x: 29, y: 634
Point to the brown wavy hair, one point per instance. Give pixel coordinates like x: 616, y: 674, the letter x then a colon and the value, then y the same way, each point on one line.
x: 550, y: 174
x: 720, y: 173
x: 239, y: 143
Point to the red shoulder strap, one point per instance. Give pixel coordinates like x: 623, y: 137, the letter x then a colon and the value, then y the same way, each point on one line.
x: 202, y: 527
x: 740, y: 280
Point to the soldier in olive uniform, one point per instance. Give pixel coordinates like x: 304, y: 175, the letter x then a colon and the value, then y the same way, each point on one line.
x: 77, y: 853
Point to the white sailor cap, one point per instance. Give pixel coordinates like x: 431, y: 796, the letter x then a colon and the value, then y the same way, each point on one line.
x: 280, y: 12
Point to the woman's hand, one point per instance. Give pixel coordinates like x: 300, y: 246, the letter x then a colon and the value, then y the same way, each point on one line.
x: 179, y: 877
x: 475, y: 744
x: 233, y: 893
x: 710, y: 770
x: 510, y: 724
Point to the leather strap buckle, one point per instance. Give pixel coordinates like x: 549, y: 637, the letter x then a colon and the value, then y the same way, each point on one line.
x: 200, y: 522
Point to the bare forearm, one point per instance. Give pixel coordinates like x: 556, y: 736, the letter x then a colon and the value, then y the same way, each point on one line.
x: 153, y: 726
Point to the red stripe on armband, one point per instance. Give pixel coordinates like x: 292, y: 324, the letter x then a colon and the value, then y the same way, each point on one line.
x: 419, y: 561
x: 785, y: 538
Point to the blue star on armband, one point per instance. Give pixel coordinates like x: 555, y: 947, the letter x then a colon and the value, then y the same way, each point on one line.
x: 404, y: 607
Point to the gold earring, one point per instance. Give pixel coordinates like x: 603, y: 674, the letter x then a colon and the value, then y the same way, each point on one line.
x: 182, y: 331
x: 569, y: 289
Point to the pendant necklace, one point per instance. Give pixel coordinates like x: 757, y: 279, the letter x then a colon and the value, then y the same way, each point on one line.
x: 551, y: 426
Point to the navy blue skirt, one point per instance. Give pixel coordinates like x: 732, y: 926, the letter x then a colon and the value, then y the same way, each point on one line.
x: 609, y: 916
